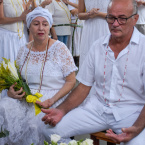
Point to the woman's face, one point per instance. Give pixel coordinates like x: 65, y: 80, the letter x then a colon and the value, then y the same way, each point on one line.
x: 39, y: 28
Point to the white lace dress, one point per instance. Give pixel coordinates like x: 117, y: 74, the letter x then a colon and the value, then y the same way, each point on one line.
x: 93, y: 28
x: 19, y: 117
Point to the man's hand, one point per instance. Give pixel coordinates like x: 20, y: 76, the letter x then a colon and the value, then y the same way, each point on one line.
x: 52, y: 116
x: 126, y: 135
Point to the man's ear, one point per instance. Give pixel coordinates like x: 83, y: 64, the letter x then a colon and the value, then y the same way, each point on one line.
x: 136, y: 19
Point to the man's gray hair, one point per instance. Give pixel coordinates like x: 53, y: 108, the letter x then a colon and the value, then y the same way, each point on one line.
x: 135, y: 7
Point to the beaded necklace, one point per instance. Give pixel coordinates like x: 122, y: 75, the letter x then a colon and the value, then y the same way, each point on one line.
x: 42, y: 67
x: 17, y: 16
x: 64, y: 7
x: 124, y: 76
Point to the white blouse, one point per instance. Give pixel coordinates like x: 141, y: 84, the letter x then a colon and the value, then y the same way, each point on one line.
x: 61, y: 15
x: 13, y: 8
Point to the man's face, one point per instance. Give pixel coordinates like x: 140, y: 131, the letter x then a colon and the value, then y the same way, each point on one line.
x: 121, y: 9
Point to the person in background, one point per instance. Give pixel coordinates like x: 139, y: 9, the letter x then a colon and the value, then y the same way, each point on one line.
x: 95, y: 26
x: 61, y: 15
x: 13, y: 32
x: 75, y: 37
x: 140, y: 25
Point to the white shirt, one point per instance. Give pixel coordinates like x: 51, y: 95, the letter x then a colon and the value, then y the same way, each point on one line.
x: 12, y: 9
x: 141, y: 12
x: 61, y: 15
x: 92, y: 74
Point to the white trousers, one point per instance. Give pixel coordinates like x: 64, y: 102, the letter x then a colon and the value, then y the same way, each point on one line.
x: 84, y: 120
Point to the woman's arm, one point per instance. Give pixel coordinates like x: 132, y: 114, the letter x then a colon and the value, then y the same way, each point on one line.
x: 53, y: 33
x: 70, y: 3
x: 67, y: 87
x: 45, y: 3
x: 89, y: 15
x: 8, y: 20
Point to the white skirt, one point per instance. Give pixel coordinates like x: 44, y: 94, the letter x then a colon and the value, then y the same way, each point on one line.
x: 10, y: 43
x: 77, y: 39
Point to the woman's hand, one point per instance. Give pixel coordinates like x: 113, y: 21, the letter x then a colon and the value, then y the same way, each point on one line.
x: 23, y: 15
x: 139, y: 3
x: 46, y: 104
x: 66, y: 1
x: 93, y: 13
x: 45, y: 3
x: 15, y: 94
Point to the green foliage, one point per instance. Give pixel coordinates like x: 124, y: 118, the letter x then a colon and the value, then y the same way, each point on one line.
x: 4, y: 133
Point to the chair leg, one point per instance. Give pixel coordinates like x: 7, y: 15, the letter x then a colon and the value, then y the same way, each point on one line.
x: 109, y: 143
x: 95, y: 141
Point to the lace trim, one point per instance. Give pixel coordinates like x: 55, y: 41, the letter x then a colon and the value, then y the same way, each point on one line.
x: 59, y: 60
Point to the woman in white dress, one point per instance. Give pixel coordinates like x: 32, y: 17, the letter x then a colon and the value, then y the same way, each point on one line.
x: 13, y: 33
x: 48, y: 67
x: 76, y: 32
x: 61, y: 15
x: 95, y: 26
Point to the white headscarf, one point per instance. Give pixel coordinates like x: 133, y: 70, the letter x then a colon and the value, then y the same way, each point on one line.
x: 39, y: 12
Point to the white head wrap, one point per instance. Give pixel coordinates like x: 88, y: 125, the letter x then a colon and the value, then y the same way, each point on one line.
x: 39, y: 12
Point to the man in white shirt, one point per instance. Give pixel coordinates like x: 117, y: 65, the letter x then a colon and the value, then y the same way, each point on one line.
x: 141, y: 12
x: 115, y: 68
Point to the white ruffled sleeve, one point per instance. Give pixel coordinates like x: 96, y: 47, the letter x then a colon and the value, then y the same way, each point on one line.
x: 65, y: 59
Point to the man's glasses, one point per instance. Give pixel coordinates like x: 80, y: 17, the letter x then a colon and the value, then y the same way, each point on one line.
x: 120, y: 20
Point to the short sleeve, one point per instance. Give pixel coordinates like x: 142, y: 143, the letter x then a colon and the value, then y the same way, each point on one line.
x: 86, y: 74
x: 65, y: 60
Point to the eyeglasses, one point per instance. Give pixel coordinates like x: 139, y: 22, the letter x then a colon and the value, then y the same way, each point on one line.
x: 120, y: 20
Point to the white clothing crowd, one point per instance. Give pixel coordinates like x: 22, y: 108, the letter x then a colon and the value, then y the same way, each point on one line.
x: 84, y: 34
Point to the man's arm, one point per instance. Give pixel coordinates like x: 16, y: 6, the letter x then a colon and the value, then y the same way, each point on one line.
x: 131, y: 132
x: 78, y: 95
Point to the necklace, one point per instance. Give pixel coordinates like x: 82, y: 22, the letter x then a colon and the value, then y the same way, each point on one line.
x: 17, y: 16
x: 64, y: 7
x: 42, y: 67
x: 124, y: 76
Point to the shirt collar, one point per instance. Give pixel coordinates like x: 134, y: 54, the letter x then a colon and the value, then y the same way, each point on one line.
x: 134, y: 38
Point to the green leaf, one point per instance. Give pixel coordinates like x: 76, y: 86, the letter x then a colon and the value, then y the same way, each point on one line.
x: 26, y: 88
x: 46, y: 143
x: 4, y: 133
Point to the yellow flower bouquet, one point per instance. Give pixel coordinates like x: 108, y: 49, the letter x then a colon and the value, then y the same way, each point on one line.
x: 10, y: 74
